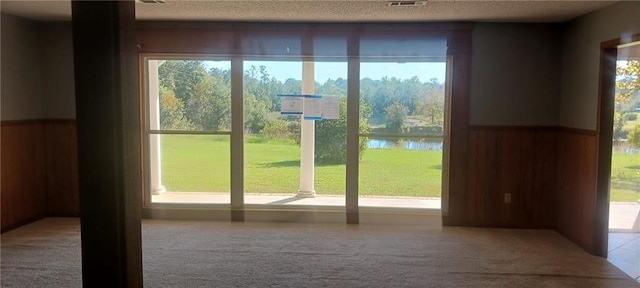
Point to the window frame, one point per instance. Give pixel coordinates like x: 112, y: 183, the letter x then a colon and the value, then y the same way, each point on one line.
x: 208, y: 39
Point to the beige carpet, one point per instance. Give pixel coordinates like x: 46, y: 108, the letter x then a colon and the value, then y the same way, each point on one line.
x: 224, y: 254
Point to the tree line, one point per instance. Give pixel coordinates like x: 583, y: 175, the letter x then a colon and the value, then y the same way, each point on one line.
x: 196, y: 97
x: 627, y: 102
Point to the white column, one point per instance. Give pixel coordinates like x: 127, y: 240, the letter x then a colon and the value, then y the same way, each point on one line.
x: 154, y: 124
x: 307, y: 137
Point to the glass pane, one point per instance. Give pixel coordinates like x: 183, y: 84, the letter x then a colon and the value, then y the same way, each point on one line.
x: 401, y: 99
x: 194, y: 95
x: 272, y: 151
x: 401, y: 172
x: 272, y: 139
x: 188, y: 95
x: 331, y: 134
x: 401, y: 159
x: 194, y: 169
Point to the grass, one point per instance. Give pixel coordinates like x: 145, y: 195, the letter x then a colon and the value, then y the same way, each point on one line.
x: 198, y: 163
x: 201, y: 163
x: 625, y: 177
x: 195, y: 163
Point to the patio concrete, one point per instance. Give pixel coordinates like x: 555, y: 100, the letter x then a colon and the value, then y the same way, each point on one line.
x: 624, y: 216
x: 292, y: 200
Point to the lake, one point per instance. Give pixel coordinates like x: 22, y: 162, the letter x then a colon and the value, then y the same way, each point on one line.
x: 411, y: 144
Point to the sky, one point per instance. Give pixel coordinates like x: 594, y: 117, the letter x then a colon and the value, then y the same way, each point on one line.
x: 334, y: 70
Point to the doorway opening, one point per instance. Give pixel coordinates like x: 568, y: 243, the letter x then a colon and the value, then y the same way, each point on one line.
x: 624, y: 188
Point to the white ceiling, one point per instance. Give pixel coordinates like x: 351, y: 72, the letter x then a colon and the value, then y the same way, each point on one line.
x: 325, y: 11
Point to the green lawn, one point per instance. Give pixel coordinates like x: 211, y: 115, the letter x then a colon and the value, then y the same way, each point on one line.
x: 195, y: 163
x: 201, y: 163
x: 198, y: 163
x: 625, y: 177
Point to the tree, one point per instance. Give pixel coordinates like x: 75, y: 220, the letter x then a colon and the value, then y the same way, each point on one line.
x: 434, y: 104
x: 210, y: 106
x: 634, y: 136
x: 256, y: 113
x: 172, y: 112
x: 628, y: 80
x: 619, y: 119
x: 409, y: 92
x: 627, y: 85
x: 181, y: 76
x: 396, y: 113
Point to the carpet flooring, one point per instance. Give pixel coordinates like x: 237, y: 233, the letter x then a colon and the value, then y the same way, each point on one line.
x: 46, y: 253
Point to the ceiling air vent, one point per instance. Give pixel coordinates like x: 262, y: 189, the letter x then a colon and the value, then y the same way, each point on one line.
x: 406, y: 3
x: 152, y: 1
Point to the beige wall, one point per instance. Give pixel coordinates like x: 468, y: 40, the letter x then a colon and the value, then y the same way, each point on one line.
x: 20, y: 70
x: 37, y: 69
x: 56, y: 50
x: 515, y: 74
x: 578, y: 107
x: 522, y: 74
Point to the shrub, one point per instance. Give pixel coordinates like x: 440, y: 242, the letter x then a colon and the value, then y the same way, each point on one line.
x: 634, y: 136
x: 280, y: 128
x: 331, y: 136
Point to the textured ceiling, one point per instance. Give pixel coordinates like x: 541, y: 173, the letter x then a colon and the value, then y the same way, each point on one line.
x: 324, y: 11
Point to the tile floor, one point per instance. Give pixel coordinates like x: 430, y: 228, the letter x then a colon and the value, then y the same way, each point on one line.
x: 624, y: 253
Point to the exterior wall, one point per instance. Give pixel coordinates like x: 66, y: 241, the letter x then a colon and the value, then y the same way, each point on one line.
x: 514, y: 74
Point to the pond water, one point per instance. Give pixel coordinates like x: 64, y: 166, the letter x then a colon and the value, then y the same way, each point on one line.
x: 411, y: 144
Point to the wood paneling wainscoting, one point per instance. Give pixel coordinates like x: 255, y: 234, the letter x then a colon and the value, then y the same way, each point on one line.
x: 23, y: 173
x: 520, y: 161
x: 62, y: 168
x: 549, y: 171
x: 39, y: 171
x: 576, y: 189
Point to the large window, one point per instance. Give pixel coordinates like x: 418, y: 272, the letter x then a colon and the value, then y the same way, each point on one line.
x: 218, y: 133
